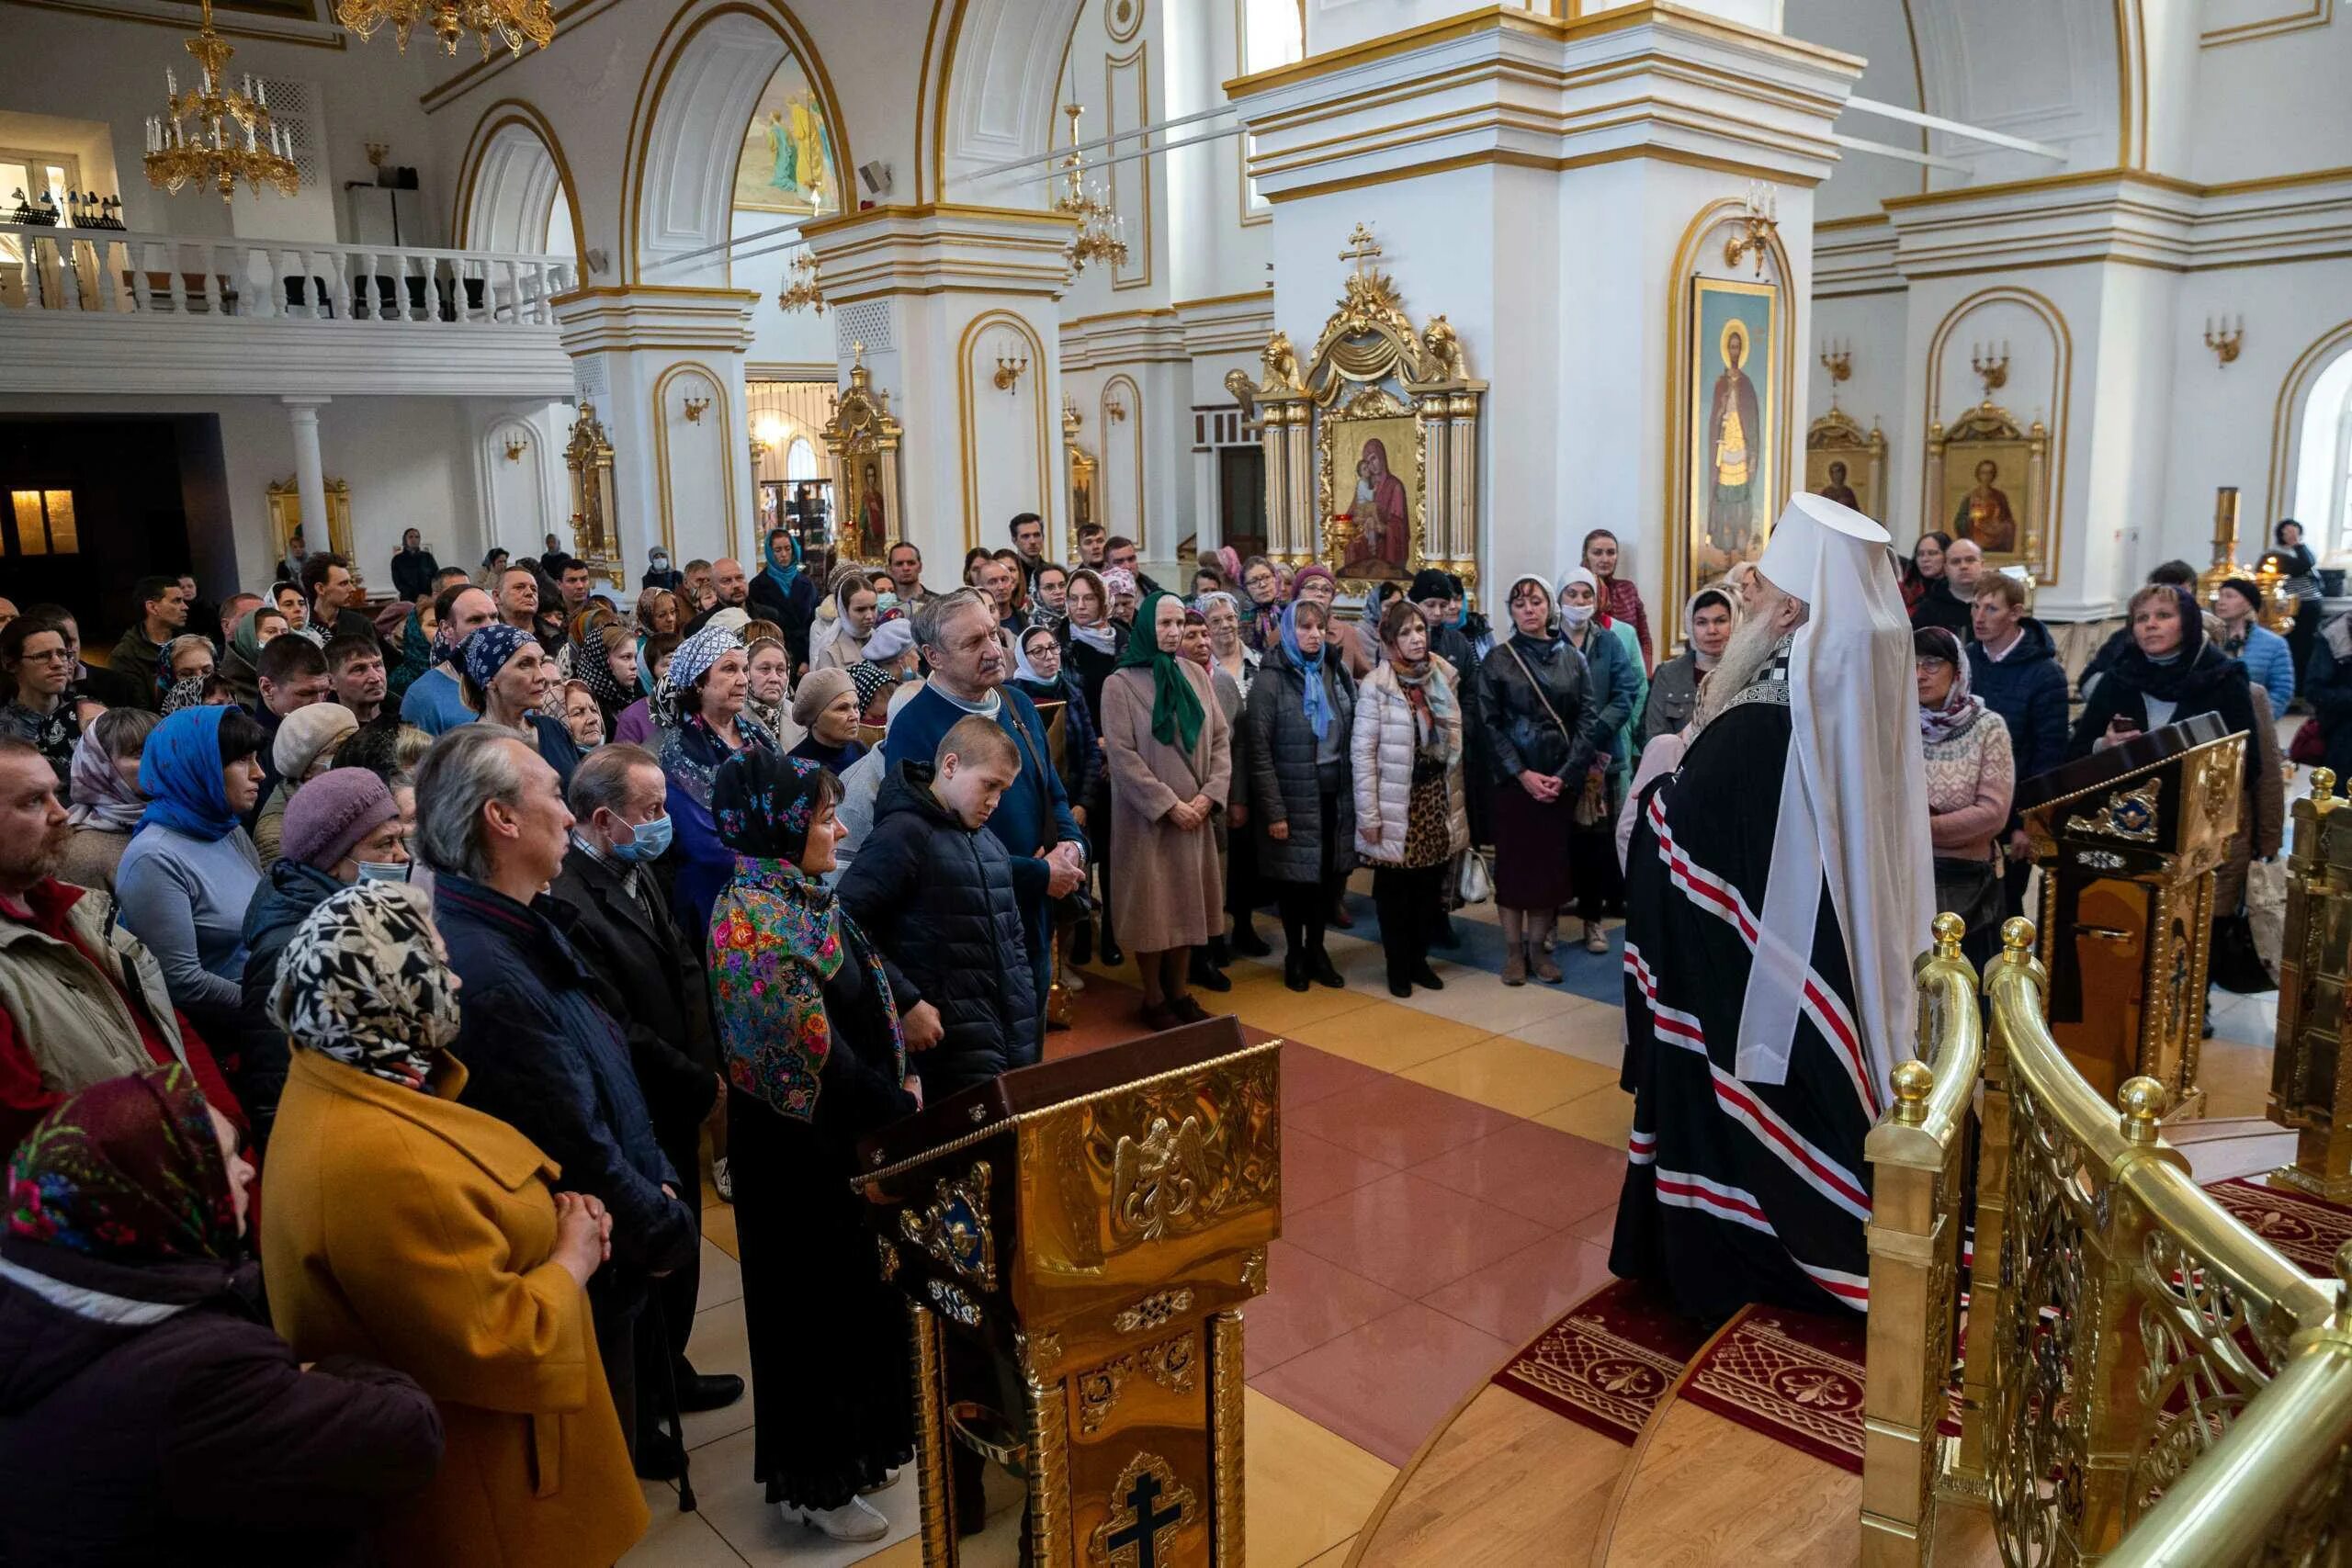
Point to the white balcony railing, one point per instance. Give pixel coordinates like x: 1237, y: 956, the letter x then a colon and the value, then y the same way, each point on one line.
x: 114, y: 272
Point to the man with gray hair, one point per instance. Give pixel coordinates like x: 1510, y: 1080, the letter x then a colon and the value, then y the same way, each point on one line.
x: 610, y: 905
x: 957, y: 633
x: 540, y: 1049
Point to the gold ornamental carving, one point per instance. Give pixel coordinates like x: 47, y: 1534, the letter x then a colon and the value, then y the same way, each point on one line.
x: 1153, y: 1312
x: 1156, y: 1182
x: 595, y: 524
x: 1172, y: 1363
x: 2129, y: 814
x: 1148, y: 1504
x: 1253, y: 1271
x: 864, y: 438
x: 1988, y: 479
x: 1371, y: 449
x: 954, y: 1227
x: 1847, y: 463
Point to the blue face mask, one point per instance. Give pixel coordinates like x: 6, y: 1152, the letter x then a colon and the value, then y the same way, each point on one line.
x: 651, y: 839
x: 383, y: 871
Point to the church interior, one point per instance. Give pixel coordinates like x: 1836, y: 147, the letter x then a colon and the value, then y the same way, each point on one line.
x: 2065, y: 278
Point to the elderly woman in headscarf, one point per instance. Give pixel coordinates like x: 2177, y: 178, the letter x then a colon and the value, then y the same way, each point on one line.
x: 400, y: 1225
x: 1411, y: 817
x: 891, y: 661
x: 1297, y: 731
x: 699, y: 722
x: 839, y: 642
x: 809, y: 1037
x: 240, y: 665
x: 1970, y: 776
x: 1534, y: 695
x: 825, y: 707
x: 1169, y: 751
x: 164, y: 1417
x: 186, y: 656
x: 103, y: 785
x: 507, y: 673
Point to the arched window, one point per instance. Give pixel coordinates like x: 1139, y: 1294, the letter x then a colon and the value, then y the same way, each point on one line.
x: 558, y: 240
x: 800, y: 462
x: 2323, y: 476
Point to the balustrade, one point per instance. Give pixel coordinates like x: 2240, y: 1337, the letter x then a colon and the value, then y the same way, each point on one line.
x: 117, y: 272
x: 2145, y: 1379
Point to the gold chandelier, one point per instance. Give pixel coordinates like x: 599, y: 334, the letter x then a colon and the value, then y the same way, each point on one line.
x: 802, y: 291
x: 511, y: 22
x: 1102, y: 233
x: 232, y: 128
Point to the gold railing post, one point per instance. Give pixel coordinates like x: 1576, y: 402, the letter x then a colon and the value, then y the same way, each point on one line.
x: 1969, y: 1472
x: 2110, y: 1350
x: 1916, y: 1157
x: 2311, y: 1073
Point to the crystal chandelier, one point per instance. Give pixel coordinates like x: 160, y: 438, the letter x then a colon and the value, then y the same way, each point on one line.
x: 1102, y: 233
x: 801, y: 290
x: 511, y: 22
x: 235, y: 137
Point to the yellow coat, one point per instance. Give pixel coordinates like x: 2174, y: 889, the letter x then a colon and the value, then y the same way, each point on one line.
x: 416, y: 1232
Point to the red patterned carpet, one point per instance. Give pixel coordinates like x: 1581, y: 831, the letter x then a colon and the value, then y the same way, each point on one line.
x: 2307, y: 1230
x: 1610, y: 1363
x: 1789, y: 1375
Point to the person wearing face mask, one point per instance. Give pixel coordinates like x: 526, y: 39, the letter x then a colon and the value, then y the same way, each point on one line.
x: 659, y: 573
x: 139, y: 1378
x: 342, y: 828
x: 611, y: 907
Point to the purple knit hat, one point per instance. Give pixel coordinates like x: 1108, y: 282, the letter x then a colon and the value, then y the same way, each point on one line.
x: 330, y: 814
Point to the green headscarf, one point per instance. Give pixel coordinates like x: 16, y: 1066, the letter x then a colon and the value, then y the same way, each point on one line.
x: 246, y: 640
x: 1176, y: 711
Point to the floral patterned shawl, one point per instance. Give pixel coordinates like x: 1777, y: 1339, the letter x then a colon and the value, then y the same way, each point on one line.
x: 128, y: 1171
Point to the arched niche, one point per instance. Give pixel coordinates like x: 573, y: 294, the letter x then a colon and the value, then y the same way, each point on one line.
x: 696, y: 453
x: 514, y: 188
x: 989, y: 73
x: 695, y: 108
x: 519, y: 471
x: 2028, y: 333
x: 1006, y: 434
x: 1119, y: 492
x: 2311, y: 439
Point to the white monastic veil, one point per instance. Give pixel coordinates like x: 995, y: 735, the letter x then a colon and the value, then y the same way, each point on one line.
x: 1853, y: 797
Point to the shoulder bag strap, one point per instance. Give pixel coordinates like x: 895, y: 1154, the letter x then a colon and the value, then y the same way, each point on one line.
x: 1565, y: 733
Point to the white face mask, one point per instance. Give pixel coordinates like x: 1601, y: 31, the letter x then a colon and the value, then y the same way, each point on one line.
x: 1577, y: 615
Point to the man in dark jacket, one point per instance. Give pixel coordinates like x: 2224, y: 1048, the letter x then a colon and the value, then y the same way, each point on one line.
x: 2013, y: 665
x: 2327, y: 686
x: 541, y: 1052
x: 936, y: 895
x: 611, y: 905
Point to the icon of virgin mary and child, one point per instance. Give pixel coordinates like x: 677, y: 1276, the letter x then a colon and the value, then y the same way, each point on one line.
x: 1383, y: 531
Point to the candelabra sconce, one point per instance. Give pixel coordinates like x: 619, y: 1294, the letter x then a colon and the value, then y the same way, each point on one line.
x: 694, y: 409
x: 802, y: 289
x: 516, y: 448
x: 1008, y: 371
x: 1756, y: 225
x: 1838, y: 360
x: 1991, y: 367
x: 2225, y: 340
x: 1115, y: 410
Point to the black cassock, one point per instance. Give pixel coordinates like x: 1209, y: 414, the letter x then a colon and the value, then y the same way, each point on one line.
x: 1735, y: 1191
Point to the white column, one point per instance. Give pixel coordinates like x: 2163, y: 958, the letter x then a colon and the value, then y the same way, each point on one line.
x: 310, y: 472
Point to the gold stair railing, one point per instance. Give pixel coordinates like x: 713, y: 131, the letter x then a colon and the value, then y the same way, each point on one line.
x: 2145, y: 1380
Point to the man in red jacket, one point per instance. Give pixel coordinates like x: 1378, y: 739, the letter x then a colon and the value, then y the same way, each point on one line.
x: 81, y: 1000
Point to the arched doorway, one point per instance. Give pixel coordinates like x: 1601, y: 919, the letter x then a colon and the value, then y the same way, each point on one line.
x: 515, y: 192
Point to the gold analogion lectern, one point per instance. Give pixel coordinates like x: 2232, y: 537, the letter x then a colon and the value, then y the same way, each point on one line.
x: 1088, y: 1229
x: 2128, y: 839
x: 2308, y: 1091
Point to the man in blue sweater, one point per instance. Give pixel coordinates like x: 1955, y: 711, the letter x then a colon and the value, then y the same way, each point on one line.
x: 2013, y: 665
x: 958, y: 633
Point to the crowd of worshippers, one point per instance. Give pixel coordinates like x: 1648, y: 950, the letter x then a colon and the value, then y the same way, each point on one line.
x: 406, y: 959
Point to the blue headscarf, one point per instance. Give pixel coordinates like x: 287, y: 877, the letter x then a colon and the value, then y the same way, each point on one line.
x: 784, y: 574
x: 1310, y: 669
x: 486, y: 652
x: 180, y: 770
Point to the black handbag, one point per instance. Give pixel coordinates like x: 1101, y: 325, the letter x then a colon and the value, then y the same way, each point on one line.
x: 1971, y: 889
x: 2236, y: 963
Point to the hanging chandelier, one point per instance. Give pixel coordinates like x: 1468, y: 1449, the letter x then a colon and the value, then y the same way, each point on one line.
x: 511, y: 22
x: 802, y: 291
x: 234, y: 138
x: 1102, y: 233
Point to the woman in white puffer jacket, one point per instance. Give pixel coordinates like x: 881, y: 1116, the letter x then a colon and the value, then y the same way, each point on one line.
x: 1412, y: 819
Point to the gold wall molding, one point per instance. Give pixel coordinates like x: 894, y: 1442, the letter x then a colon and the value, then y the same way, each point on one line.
x: 2312, y: 14
x: 1138, y: 59
x: 646, y: 112
x: 1685, y: 271
x: 2062, y: 399
x: 967, y: 432
x: 495, y: 118
x: 1134, y: 443
x: 2286, y: 412
x: 728, y: 444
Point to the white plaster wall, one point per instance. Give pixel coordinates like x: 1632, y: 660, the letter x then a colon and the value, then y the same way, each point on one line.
x: 2271, y: 105
x: 1877, y: 391
x: 1881, y: 36
x: 85, y: 67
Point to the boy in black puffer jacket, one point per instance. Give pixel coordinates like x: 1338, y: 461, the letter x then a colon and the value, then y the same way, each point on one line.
x: 935, y: 893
